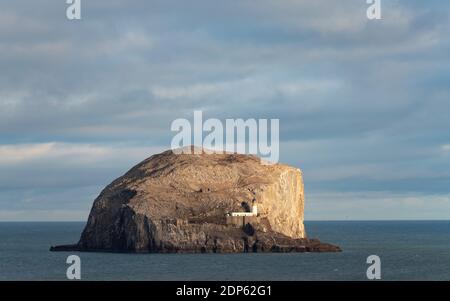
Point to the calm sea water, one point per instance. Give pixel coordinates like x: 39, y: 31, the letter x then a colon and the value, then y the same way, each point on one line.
x: 409, y: 250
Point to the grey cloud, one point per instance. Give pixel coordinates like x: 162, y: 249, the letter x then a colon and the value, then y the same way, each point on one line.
x: 351, y: 94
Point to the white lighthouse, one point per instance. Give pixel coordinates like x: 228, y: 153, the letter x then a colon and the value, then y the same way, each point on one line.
x: 254, y: 209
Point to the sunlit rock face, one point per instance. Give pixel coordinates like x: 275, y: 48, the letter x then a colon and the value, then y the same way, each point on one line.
x: 180, y: 202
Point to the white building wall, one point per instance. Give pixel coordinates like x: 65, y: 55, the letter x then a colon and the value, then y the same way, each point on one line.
x: 241, y: 213
x: 253, y: 213
x: 255, y: 210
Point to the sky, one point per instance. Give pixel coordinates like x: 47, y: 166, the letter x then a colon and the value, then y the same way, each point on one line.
x: 363, y: 104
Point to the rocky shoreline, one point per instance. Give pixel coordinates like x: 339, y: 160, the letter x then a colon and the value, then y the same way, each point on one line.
x: 258, y: 243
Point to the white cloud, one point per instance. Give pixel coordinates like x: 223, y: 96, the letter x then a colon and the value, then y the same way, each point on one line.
x: 44, y: 215
x: 38, y: 50
x: 125, y: 43
x: 11, y: 23
x: 253, y: 88
x: 70, y: 153
x: 445, y: 147
x: 300, y: 87
x: 11, y: 154
x: 189, y: 91
x: 367, y: 205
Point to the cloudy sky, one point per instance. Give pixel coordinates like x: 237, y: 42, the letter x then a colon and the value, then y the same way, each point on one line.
x: 363, y: 105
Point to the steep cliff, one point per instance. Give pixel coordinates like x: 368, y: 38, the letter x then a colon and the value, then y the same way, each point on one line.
x: 179, y: 202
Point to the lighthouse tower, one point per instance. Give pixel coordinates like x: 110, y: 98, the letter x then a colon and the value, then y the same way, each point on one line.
x: 254, y: 208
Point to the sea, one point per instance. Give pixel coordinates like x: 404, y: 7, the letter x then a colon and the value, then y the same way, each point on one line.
x: 408, y: 250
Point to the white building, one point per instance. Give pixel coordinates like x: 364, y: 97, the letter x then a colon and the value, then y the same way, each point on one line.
x: 253, y: 213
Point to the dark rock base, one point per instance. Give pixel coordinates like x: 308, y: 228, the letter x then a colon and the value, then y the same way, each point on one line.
x: 257, y: 243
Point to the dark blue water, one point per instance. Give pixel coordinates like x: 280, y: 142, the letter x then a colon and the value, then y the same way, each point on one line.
x: 409, y: 250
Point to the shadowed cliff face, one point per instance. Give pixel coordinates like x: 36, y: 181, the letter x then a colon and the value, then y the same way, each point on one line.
x: 178, y: 203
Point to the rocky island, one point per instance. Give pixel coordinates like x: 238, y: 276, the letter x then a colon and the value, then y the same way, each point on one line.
x: 198, y: 203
